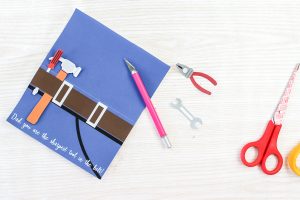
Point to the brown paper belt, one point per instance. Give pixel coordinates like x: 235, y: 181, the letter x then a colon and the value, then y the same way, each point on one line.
x: 93, y: 113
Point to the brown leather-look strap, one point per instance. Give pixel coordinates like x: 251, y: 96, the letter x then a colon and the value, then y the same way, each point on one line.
x: 82, y: 105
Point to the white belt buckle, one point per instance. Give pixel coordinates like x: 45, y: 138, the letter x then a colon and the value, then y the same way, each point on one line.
x: 60, y: 103
x: 88, y: 121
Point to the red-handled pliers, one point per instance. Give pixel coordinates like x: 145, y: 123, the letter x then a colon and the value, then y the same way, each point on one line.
x: 189, y: 73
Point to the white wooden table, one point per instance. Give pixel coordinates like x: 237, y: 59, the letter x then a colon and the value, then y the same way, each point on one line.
x: 250, y: 47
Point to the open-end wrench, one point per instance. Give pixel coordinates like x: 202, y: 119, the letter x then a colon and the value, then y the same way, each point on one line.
x: 195, y: 122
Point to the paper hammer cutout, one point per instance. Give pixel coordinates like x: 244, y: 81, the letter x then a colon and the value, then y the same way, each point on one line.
x: 67, y: 67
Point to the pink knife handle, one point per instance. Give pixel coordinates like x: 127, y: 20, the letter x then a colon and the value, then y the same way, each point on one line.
x: 149, y: 105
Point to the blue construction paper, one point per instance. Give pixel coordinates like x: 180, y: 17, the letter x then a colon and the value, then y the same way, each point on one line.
x: 104, y: 77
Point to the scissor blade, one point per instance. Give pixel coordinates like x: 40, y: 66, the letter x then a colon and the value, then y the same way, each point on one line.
x: 282, y: 106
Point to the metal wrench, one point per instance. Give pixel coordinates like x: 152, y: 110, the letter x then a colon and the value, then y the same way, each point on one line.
x: 195, y: 122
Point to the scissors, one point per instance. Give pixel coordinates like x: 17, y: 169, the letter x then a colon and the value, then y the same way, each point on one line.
x: 189, y: 73
x: 267, y: 144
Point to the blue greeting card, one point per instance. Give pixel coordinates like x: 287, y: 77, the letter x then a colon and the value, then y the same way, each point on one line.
x: 84, y: 106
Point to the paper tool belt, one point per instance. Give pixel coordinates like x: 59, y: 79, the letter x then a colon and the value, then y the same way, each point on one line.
x: 93, y: 113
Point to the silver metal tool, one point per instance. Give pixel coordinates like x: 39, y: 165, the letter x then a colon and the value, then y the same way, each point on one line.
x: 195, y: 122
x: 185, y: 70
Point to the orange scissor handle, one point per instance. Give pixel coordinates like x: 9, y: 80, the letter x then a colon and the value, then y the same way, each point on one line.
x: 292, y: 159
x: 265, y: 146
x: 209, y: 78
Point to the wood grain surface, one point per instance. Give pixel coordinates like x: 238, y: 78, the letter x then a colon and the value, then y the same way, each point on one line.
x: 249, y: 47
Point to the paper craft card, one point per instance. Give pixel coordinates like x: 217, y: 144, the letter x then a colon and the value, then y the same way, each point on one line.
x: 86, y: 105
